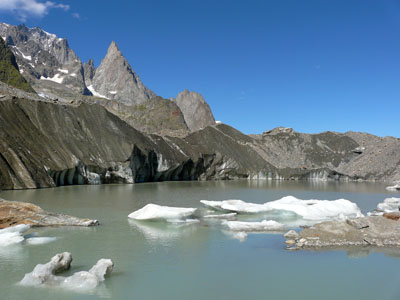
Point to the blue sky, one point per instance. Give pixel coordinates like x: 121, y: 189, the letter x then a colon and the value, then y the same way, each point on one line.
x: 312, y: 65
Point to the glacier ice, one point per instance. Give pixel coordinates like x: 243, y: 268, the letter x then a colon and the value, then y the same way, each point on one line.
x: 45, y: 274
x: 395, y: 187
x: 264, y: 225
x: 220, y: 216
x: 388, y: 205
x: 158, y: 212
x: 306, y: 209
x: 13, y: 235
x: 39, y: 240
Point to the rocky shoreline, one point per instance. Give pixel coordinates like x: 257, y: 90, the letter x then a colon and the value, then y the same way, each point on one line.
x: 14, y: 213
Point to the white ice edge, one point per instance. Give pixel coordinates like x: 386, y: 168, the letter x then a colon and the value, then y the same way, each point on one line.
x: 265, y: 225
x: 15, y: 235
x: 395, y: 187
x: 44, y: 274
x: 158, y: 212
x: 307, y: 209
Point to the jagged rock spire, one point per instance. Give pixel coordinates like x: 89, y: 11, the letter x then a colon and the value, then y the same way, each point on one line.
x: 115, y: 79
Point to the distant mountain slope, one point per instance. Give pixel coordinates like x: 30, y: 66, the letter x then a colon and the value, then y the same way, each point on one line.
x: 44, y: 58
x: 9, y: 71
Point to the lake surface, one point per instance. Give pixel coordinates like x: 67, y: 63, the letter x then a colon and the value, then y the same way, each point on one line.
x: 155, y: 260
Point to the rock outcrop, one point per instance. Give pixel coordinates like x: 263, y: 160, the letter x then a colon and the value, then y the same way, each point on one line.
x: 14, y: 213
x: 195, y: 110
x: 377, y: 231
x: 88, y: 71
x: 115, y: 79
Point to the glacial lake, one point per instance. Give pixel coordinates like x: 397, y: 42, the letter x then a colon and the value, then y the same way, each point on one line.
x: 155, y: 260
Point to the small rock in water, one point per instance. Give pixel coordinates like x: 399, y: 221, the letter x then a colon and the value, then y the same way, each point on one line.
x: 290, y: 242
x: 291, y: 234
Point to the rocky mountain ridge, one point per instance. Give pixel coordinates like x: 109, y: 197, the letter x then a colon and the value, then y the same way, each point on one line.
x: 46, y: 144
x: 56, y: 72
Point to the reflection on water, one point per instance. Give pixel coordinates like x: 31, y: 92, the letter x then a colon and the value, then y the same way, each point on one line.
x: 163, y: 233
x: 155, y: 260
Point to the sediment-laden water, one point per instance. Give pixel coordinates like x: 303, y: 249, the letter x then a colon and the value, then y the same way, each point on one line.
x: 155, y: 260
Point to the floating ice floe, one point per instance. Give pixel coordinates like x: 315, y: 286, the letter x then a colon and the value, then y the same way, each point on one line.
x: 264, y: 225
x: 44, y: 274
x: 395, y: 187
x: 15, y: 235
x: 307, y: 209
x: 241, y: 235
x: 158, y: 212
x: 389, y: 205
x: 39, y: 240
x: 220, y: 216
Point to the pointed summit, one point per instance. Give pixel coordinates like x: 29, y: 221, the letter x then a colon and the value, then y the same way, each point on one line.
x: 115, y: 79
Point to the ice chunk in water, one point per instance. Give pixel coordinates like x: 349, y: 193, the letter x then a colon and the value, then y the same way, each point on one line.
x: 307, y: 209
x: 158, y: 212
x: 39, y: 240
x: 264, y: 225
x: 45, y: 274
x: 12, y: 235
x: 389, y: 205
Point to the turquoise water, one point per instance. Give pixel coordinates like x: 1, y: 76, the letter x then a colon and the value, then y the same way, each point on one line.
x: 199, y: 261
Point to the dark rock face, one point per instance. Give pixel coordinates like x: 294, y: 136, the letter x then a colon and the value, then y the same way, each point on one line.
x: 88, y: 71
x: 115, y: 79
x: 195, y: 109
x: 9, y: 71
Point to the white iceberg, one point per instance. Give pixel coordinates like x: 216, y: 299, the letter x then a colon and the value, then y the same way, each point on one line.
x: 13, y: 235
x: 395, y: 187
x: 389, y: 205
x: 45, y: 274
x: 39, y: 240
x: 220, y: 216
x: 87, y: 280
x: 241, y: 236
x: 306, y: 209
x: 264, y: 225
x: 158, y: 212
